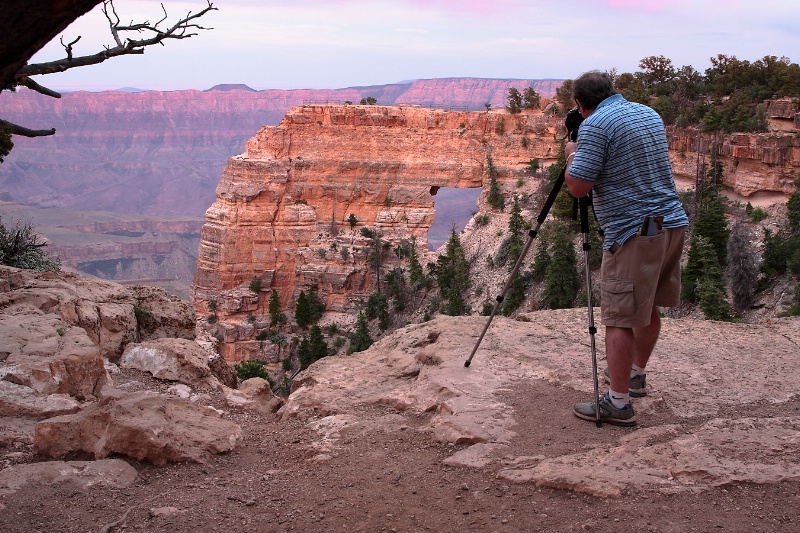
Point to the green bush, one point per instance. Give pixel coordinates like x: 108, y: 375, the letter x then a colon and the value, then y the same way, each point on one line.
x: 758, y: 214
x: 144, y: 319
x: 252, y: 368
x: 20, y: 247
x: 255, y: 284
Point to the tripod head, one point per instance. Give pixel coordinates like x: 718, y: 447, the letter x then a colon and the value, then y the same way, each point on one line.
x: 572, y: 123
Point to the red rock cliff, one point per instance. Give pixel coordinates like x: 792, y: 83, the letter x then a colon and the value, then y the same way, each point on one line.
x: 283, y: 206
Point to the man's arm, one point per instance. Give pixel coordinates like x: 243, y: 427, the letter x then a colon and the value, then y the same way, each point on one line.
x: 577, y: 188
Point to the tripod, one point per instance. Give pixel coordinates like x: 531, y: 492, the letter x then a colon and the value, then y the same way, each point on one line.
x: 583, y: 209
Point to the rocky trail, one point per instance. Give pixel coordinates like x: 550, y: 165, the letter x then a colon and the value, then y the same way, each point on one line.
x: 402, y: 437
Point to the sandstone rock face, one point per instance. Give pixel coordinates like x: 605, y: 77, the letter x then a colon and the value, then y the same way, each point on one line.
x: 170, y: 359
x: 142, y: 426
x: 284, y: 207
x: 752, y: 162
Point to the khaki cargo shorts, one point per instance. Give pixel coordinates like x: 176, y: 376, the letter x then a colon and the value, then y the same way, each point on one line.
x: 642, y: 273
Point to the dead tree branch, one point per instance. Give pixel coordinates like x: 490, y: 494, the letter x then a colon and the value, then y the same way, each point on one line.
x: 15, y: 129
x: 151, y: 34
x: 182, y: 29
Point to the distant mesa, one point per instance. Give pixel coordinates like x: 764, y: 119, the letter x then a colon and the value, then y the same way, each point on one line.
x: 131, y: 90
x: 232, y: 87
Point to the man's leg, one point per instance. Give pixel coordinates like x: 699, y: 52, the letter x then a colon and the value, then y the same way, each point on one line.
x: 645, y: 339
x: 620, y: 352
x: 614, y: 408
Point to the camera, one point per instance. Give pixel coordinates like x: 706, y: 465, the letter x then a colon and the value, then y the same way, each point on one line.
x: 572, y: 123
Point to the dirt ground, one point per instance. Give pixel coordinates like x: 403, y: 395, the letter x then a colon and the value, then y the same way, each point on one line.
x: 392, y: 479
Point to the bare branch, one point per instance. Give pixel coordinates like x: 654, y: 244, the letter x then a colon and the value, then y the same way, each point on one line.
x: 15, y: 129
x: 182, y: 29
x: 32, y: 85
x: 68, y: 46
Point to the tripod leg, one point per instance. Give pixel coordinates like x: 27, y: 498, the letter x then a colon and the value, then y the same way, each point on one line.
x: 583, y: 205
x: 551, y: 198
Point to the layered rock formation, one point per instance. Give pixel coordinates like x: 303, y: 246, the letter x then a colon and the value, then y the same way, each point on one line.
x: 752, y: 162
x: 161, y: 153
x: 284, y: 207
x: 113, y: 246
x: 290, y: 209
x: 59, y: 337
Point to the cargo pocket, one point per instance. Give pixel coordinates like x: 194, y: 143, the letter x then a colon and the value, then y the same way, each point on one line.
x: 617, y: 295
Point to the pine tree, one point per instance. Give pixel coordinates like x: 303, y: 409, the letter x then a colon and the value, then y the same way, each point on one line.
x: 495, y: 199
x: 304, y: 353
x: 452, y: 272
x: 692, y: 272
x: 711, y: 227
x: 318, y: 348
x: 711, y: 289
x: 302, y: 311
x: 562, y: 207
x: 514, y: 100
x: 530, y: 98
x: 515, y: 295
x: 742, y: 269
x: 397, y: 287
x: 516, y: 226
x: 415, y: 273
x: 793, y: 214
x: 561, y: 283
x: 274, y: 308
x: 315, y: 306
x: 542, y: 258
x: 712, y: 224
x: 361, y: 339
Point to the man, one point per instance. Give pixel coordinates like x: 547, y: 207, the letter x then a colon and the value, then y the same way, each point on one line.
x: 621, y: 157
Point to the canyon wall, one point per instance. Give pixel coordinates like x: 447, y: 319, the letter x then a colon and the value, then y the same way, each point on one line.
x: 130, y: 249
x: 162, y: 152
x: 284, y: 207
x: 753, y: 163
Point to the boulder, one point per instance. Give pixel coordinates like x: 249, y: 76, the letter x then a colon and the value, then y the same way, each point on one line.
x: 50, y: 356
x: 254, y: 393
x: 147, y: 427
x: 223, y: 371
x: 21, y: 401
x: 179, y: 360
x: 108, y: 474
x: 161, y: 314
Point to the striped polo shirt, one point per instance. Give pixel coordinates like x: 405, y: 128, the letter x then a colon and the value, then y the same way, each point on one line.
x: 622, y: 150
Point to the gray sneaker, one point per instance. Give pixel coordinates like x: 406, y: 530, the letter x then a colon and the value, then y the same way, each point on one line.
x: 608, y: 413
x: 637, y: 386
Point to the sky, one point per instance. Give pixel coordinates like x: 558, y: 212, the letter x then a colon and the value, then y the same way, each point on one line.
x: 318, y: 44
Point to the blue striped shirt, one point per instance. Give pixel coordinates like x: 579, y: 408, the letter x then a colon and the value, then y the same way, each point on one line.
x: 622, y: 150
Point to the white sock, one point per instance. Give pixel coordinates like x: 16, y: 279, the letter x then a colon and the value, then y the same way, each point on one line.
x: 619, y: 399
x: 636, y: 371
